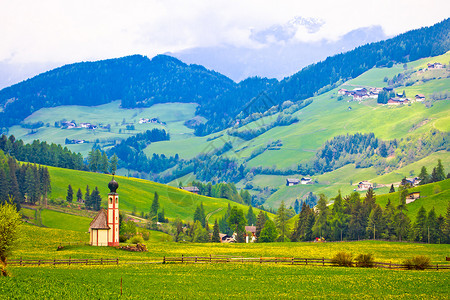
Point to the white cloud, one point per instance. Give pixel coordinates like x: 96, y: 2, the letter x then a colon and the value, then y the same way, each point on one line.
x: 68, y: 31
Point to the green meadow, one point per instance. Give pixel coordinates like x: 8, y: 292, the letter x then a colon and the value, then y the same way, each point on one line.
x: 137, y: 194
x: 232, y: 280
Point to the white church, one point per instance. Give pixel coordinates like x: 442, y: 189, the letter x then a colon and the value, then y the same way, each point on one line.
x: 104, y: 228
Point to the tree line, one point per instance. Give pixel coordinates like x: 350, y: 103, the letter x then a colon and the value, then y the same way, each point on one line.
x: 42, y: 153
x: 23, y: 182
x: 223, y: 190
x: 91, y: 200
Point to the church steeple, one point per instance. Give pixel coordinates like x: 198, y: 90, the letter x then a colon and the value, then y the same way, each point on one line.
x: 113, y: 213
x: 113, y: 185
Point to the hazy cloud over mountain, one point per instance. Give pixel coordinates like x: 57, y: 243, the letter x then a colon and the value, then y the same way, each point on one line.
x: 54, y: 32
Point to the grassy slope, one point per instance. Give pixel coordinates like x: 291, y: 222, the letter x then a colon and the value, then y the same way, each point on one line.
x: 435, y: 195
x: 138, y: 193
x: 174, y: 114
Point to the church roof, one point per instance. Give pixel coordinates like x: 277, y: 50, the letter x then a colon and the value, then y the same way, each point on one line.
x: 100, y: 221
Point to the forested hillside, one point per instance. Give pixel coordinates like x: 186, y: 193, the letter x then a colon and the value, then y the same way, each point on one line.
x: 141, y: 82
x: 136, y: 80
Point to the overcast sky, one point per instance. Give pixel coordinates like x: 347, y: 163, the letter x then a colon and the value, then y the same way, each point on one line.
x: 70, y: 31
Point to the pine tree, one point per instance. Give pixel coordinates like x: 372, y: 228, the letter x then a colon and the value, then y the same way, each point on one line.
x: 155, y: 205
x: 402, y: 221
x: 237, y: 222
x: 296, y: 206
x: 338, y: 218
x: 433, y: 228
x: 161, y: 216
x: 104, y: 163
x: 113, y: 164
x: 392, y: 189
x: 251, y: 218
x: 375, y: 225
x: 69, y: 197
x: 321, y: 226
x: 260, y: 222
x: 79, y: 195
x: 4, y: 189
x: 446, y: 230
x: 420, y: 226
x: 216, y: 235
x: 87, y: 198
x: 281, y: 222
x: 434, y: 176
x: 440, y: 173
x: 96, y: 199
x: 423, y: 176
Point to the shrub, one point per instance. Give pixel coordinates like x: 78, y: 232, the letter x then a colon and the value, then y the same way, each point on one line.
x: 122, y: 238
x: 137, y: 239
x: 343, y: 259
x: 419, y: 262
x: 146, y: 235
x: 365, y: 260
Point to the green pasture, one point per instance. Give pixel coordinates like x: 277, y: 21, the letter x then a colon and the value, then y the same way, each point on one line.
x: 174, y: 114
x: 222, y: 281
x: 137, y: 194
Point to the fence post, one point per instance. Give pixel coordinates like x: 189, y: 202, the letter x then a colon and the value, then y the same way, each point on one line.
x: 437, y: 267
x: 87, y: 261
x: 117, y: 260
x: 323, y: 261
x: 260, y: 260
x: 101, y: 261
x: 20, y: 260
x: 54, y: 261
x: 390, y: 265
x: 164, y: 260
x: 69, y: 260
x: 306, y: 261
x: 39, y: 262
x: 196, y: 259
x: 292, y: 261
x: 210, y: 260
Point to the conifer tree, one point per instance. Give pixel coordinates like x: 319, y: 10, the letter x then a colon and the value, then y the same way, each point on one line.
x: 440, y: 173
x: 155, y: 205
x: 96, y: 199
x: 269, y: 232
x: 446, y: 230
x: 392, y: 189
x: 423, y: 176
x: 251, y: 218
x: 87, y: 198
x: 420, y: 226
x: 281, y: 222
x: 260, y: 222
x: 69, y: 197
x: 113, y: 164
x: 375, y: 225
x: 433, y: 228
x: 79, y: 195
x: 321, y: 226
x: 216, y: 236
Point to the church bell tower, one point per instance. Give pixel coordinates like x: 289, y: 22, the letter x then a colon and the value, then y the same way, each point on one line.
x: 113, y: 213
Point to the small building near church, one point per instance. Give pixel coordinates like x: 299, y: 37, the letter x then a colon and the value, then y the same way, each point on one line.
x: 252, y: 231
x: 104, y: 228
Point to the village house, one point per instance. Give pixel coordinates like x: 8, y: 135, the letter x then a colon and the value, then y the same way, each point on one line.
x: 252, y: 231
x: 420, y: 97
x: 192, y: 189
x: 225, y: 238
x: 104, y: 228
x: 410, y: 181
x: 292, y: 181
x: 435, y: 65
x: 412, y: 197
x: 306, y: 180
x: 364, y: 185
x: 398, y: 101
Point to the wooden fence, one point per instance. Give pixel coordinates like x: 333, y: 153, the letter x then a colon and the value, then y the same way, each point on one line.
x: 283, y: 260
x: 69, y: 261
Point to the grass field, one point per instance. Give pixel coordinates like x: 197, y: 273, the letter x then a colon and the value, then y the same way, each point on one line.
x: 220, y: 281
x: 174, y: 114
x: 234, y: 280
x: 137, y: 194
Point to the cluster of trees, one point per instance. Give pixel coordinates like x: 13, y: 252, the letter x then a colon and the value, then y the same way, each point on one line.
x: 345, y: 149
x: 91, y: 200
x: 248, y: 134
x: 384, y: 96
x: 223, y: 190
x: 22, y: 182
x: 131, y: 155
x: 42, y: 153
x: 438, y: 174
x: 98, y: 162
